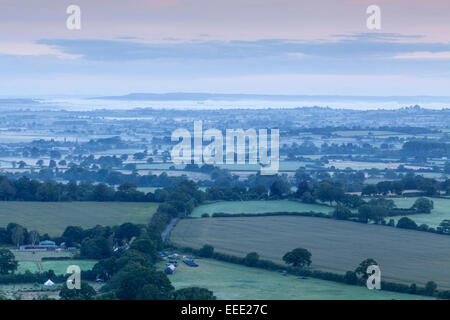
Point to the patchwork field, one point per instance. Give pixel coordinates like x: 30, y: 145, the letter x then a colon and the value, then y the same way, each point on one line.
x: 28, y: 291
x: 339, y: 164
x: 440, y: 212
x: 59, y: 267
x: 54, y: 217
x: 258, y: 207
x: 230, y: 281
x: 284, y: 166
x: 403, y: 255
x: 36, y: 256
x: 27, y: 266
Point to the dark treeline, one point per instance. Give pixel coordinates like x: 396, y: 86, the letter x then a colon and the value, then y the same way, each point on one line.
x: 327, y: 131
x: 429, y: 187
x: 426, y: 148
x: 104, y: 175
x: 26, y: 189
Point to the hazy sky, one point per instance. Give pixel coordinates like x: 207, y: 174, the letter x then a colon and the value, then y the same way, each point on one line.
x: 232, y: 46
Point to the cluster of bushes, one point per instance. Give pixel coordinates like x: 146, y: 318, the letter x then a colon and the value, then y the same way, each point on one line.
x: 378, y: 209
x: 428, y: 186
x: 131, y: 275
x: 407, y: 223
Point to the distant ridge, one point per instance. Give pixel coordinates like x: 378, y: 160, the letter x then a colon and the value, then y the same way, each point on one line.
x: 183, y: 96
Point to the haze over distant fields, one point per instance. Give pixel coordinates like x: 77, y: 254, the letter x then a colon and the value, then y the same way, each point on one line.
x: 207, y: 101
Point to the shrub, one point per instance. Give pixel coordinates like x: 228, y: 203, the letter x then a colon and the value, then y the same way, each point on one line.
x: 406, y: 223
x: 251, y: 259
x: 206, y: 251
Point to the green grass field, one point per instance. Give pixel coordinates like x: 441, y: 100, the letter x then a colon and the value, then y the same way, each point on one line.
x: 440, y: 212
x: 60, y: 267
x: 258, y: 207
x: 358, y: 165
x: 230, y: 281
x: 36, y: 256
x: 27, y: 266
x: 54, y: 217
x: 338, y: 246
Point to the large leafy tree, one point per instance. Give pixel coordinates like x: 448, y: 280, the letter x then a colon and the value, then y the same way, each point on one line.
x: 86, y: 292
x: 325, y: 191
x: 406, y: 223
x: 136, y: 282
x: 342, y: 213
x: 95, y: 248
x: 423, y: 205
x: 194, y: 293
x: 279, y: 188
x: 7, y: 261
x: 361, y: 270
x: 251, y: 259
x: 299, y: 257
x: 444, y: 226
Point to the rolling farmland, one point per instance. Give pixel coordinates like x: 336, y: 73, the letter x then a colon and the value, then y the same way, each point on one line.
x: 256, y: 207
x: 54, y: 217
x: 231, y: 281
x: 403, y: 255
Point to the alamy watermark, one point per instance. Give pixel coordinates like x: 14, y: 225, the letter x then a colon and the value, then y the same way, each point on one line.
x: 374, y: 20
x: 73, y: 22
x: 374, y: 279
x: 74, y: 280
x: 240, y: 146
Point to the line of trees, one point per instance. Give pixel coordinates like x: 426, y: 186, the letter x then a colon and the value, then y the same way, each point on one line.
x: 25, y: 189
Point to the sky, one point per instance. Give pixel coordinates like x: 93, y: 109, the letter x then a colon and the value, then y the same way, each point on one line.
x: 320, y: 47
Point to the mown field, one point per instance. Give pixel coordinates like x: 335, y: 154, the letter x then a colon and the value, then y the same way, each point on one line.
x: 440, y: 212
x: 36, y: 256
x: 230, y: 281
x: 59, y: 267
x: 27, y: 266
x: 54, y: 217
x: 258, y: 207
x: 403, y: 255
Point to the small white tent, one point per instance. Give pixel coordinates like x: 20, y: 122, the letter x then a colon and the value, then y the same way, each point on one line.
x: 49, y: 283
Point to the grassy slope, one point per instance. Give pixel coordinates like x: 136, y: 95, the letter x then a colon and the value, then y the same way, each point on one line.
x: 258, y: 207
x: 230, y: 281
x: 403, y: 255
x: 440, y: 212
x: 54, y: 217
